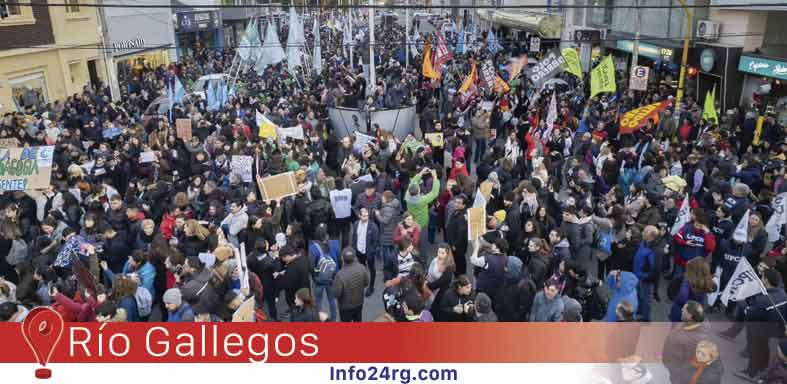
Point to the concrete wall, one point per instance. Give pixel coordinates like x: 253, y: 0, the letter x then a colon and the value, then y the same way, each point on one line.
x: 740, y: 28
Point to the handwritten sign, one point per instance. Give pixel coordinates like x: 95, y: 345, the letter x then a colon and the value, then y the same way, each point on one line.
x: 24, y: 169
x: 476, y: 222
x: 147, y: 157
x: 245, y: 312
x: 111, y: 133
x: 241, y: 165
x: 9, y: 142
x: 436, y: 139
x: 295, y: 132
x: 278, y: 186
x: 183, y: 128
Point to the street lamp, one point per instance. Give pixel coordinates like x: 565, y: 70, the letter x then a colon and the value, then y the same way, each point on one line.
x: 685, y: 57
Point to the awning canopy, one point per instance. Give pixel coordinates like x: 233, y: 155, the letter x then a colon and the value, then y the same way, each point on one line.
x: 546, y: 26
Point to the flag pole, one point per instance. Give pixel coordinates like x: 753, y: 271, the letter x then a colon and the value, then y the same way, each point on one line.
x: 773, y: 306
x: 372, y: 69
x: 407, y: 34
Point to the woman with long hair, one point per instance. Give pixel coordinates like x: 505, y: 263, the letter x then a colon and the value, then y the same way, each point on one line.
x: 195, y: 238
x: 305, y: 310
x: 539, y: 262
x: 696, y: 285
x: 441, y: 272
x: 123, y: 290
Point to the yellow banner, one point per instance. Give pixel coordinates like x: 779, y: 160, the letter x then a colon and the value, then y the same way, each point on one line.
x: 602, y: 78
x: 572, y: 62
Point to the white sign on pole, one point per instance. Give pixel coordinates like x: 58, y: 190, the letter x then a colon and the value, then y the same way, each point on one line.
x: 639, y: 78
x: 535, y: 44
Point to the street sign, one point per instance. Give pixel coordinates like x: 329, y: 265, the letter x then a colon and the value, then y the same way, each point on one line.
x: 535, y: 44
x: 639, y: 78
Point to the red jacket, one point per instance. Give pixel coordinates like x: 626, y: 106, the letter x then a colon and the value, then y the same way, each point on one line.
x: 168, y: 226
x: 75, y: 310
x: 703, y: 243
x: 456, y: 171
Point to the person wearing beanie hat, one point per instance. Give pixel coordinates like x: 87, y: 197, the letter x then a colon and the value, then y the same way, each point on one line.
x: 178, y: 311
x: 572, y: 310
x: 483, y: 309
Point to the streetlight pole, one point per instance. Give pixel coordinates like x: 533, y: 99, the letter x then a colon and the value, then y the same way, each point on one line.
x: 685, y: 58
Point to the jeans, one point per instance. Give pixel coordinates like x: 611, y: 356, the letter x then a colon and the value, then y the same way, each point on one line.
x: 644, y: 297
x: 318, y: 293
x: 389, y: 262
x: 369, y: 262
x: 480, y: 150
x: 352, y: 315
x: 432, y: 225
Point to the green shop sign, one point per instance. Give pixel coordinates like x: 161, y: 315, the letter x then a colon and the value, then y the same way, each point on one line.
x: 648, y: 50
x: 763, y: 67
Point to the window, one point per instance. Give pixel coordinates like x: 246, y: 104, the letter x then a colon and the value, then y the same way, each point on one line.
x: 77, y: 74
x: 12, y: 10
x: 72, y: 6
x: 29, y: 90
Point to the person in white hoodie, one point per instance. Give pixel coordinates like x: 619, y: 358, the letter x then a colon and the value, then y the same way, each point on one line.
x: 235, y: 222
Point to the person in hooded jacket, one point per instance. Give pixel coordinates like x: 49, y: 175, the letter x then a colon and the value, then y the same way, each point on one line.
x: 623, y: 285
x: 516, y: 296
x: 456, y: 304
x: 319, y: 212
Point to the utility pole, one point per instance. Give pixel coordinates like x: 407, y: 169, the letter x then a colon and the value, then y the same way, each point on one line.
x: 109, y: 61
x: 407, y: 34
x: 372, y: 75
x: 635, y: 48
x: 685, y: 58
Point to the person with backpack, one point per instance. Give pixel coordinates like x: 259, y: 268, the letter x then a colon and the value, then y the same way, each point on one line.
x: 319, y: 212
x: 646, y: 271
x: 325, y: 255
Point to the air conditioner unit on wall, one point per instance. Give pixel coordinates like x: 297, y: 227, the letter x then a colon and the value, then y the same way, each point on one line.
x: 707, y: 30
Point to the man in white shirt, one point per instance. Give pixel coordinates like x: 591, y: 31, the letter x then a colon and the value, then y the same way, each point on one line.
x: 235, y: 222
x: 366, y: 241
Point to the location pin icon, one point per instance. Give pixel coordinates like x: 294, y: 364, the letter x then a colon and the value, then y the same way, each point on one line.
x: 42, y: 330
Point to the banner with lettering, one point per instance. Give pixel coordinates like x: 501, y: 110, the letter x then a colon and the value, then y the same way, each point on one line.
x: 24, y: 169
x: 241, y: 165
x: 547, y: 68
x: 637, y: 118
x: 602, y: 78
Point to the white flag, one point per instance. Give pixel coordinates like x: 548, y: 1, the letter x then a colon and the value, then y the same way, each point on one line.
x: 480, y: 200
x: 684, y: 216
x: 550, y: 121
x: 741, y: 233
x: 743, y: 284
x: 778, y: 218
x: 295, y: 41
x: 712, y: 297
x: 271, y: 52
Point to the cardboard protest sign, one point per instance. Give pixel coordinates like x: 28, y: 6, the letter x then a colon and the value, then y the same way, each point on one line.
x: 278, y: 186
x: 486, y: 189
x: 9, y: 142
x: 245, y: 313
x: 183, y: 128
x: 23, y: 169
x: 241, y: 165
x: 436, y: 139
x: 111, y: 133
x: 476, y: 222
x: 147, y: 157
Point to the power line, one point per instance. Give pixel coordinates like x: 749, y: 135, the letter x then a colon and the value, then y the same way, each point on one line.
x: 381, y: 44
x: 395, y: 6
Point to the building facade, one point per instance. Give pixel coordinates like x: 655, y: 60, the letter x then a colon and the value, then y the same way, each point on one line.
x: 48, y: 53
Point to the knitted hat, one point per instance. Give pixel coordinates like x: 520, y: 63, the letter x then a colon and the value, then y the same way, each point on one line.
x: 483, y: 304
x: 572, y: 310
x: 740, y: 190
x: 173, y: 296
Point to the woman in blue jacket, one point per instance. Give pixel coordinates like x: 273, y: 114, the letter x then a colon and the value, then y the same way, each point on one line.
x: 623, y: 285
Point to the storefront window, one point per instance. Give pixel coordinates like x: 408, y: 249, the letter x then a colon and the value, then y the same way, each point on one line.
x: 29, y: 90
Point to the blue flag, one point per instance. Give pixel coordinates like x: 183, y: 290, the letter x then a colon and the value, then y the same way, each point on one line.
x: 461, y: 47
x: 492, y: 43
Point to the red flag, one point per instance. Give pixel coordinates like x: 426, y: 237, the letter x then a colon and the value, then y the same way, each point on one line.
x: 442, y: 53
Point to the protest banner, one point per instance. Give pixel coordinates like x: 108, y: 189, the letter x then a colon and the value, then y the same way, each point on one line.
x: 547, y: 68
x: 295, y: 132
x: 476, y: 222
x: 23, y: 169
x: 488, y: 74
x: 637, y: 118
x: 602, y: 78
x: 278, y: 186
x: 183, y: 128
x: 241, y: 165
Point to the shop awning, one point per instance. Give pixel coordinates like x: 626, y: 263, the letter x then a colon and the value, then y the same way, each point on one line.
x: 763, y: 66
x: 547, y: 26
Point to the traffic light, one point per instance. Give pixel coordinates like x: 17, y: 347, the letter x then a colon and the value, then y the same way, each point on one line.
x: 692, y: 71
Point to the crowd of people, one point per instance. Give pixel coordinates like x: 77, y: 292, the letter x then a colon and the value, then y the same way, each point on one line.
x: 578, y: 224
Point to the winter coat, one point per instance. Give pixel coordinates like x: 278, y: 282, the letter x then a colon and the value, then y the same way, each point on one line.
x: 418, y: 206
x: 349, y: 285
x: 626, y: 290
x: 388, y: 216
x: 545, y: 310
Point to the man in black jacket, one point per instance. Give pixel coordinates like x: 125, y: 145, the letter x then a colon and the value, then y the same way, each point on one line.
x: 296, y: 273
x: 456, y: 234
x: 764, y: 320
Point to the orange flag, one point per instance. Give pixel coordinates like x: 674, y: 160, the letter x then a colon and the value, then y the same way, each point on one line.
x: 470, y: 80
x: 427, y: 69
x: 500, y: 85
